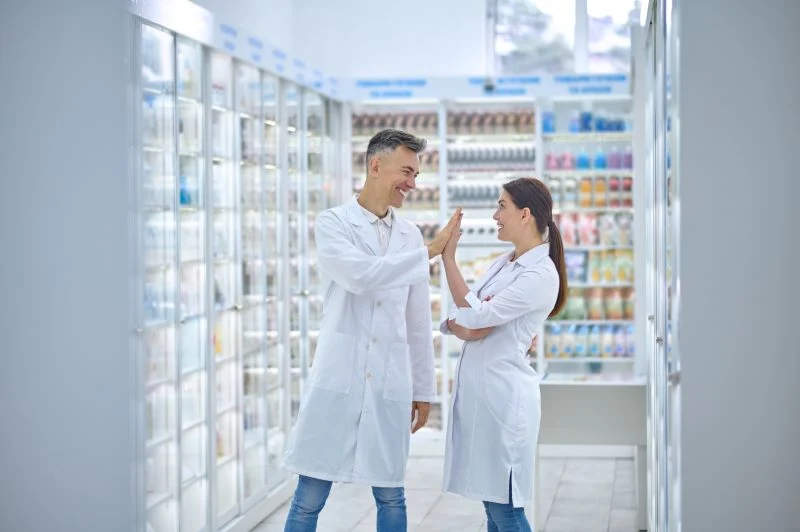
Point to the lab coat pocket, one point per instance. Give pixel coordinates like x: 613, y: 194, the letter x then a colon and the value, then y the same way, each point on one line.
x: 334, y: 361
x: 397, y: 385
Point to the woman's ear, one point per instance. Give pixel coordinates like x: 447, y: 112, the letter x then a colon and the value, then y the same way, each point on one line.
x: 526, y: 215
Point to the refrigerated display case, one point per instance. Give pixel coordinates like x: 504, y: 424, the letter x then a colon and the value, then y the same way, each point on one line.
x: 588, y: 167
x: 222, y: 147
x: 312, y: 189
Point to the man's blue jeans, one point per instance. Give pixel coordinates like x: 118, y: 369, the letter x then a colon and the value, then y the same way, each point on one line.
x: 311, y: 494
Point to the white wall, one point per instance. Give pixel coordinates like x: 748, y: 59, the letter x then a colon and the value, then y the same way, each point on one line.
x: 267, y: 19
x: 741, y: 287
x: 367, y: 38
x: 66, y: 451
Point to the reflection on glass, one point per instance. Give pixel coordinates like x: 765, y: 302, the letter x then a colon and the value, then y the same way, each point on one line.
x: 534, y: 36
x: 609, y: 35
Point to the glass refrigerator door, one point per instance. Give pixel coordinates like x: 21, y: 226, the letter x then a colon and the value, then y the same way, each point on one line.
x: 295, y: 214
x: 159, y: 254
x: 192, y: 253
x: 254, y: 280
x: 673, y: 270
x: 317, y: 193
x: 274, y: 368
x: 226, y: 337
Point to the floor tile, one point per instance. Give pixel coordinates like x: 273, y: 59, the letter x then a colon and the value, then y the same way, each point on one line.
x: 581, y: 495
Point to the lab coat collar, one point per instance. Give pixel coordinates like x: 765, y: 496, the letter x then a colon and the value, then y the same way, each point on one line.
x: 373, y: 218
x: 356, y: 216
x: 533, y: 255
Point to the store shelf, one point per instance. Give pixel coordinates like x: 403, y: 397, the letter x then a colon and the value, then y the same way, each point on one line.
x: 597, y: 136
x: 589, y: 284
x: 592, y: 210
x: 493, y: 138
x: 165, y: 381
x: 588, y: 322
x: 596, y: 172
x: 158, y: 441
x: 587, y: 360
x: 157, y: 499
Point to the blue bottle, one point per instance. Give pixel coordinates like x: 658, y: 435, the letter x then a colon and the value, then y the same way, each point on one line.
x: 575, y: 123
x: 548, y: 122
x: 185, y: 196
x: 586, y: 121
x: 582, y: 162
x: 600, y: 161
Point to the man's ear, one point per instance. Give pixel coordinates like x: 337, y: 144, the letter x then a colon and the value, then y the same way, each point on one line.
x: 374, y: 165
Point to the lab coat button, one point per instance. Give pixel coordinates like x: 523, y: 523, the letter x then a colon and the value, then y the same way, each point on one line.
x: 369, y: 375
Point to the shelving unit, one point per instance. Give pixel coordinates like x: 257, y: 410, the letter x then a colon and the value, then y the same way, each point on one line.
x: 232, y: 168
x: 588, y: 166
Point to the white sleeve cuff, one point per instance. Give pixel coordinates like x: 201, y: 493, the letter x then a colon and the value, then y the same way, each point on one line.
x: 472, y: 300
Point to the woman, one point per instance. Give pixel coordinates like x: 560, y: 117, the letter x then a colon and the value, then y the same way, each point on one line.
x: 494, y: 422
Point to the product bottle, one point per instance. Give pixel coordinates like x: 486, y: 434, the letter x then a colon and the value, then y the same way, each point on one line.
x: 582, y: 342
x: 583, y: 162
x: 600, y: 161
x: 627, y: 158
x: 553, y: 342
x: 595, y: 342
x: 619, y: 341
x: 615, y: 159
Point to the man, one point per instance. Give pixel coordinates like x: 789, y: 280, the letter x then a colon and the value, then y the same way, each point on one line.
x: 373, y: 370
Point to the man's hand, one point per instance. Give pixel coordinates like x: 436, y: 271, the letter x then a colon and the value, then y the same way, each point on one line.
x: 436, y: 246
x: 465, y: 334
x: 420, y: 411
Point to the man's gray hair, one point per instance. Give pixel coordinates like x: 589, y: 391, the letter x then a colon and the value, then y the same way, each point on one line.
x: 389, y: 140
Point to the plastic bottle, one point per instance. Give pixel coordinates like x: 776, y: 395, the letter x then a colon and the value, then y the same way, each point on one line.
x: 600, y: 161
x: 583, y: 162
x: 553, y: 342
x: 620, y: 344
x: 581, y: 342
x: 595, y: 342
x: 630, y: 337
x: 606, y: 341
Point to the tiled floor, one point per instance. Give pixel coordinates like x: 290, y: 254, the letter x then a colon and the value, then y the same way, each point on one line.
x: 578, y: 495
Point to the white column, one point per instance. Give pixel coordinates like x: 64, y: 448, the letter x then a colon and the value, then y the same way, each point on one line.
x: 740, y: 199
x: 66, y: 449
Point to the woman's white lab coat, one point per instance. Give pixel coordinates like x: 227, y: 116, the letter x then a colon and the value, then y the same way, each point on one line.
x: 493, y: 429
x: 374, y: 355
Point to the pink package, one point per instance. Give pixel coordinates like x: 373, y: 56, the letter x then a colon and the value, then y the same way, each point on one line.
x: 587, y: 229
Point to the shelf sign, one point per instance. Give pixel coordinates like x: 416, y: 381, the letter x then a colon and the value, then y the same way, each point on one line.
x: 280, y: 59
x: 319, y: 80
x: 390, y: 88
x: 229, y: 37
x: 590, y: 84
x: 299, y: 68
x: 256, y: 49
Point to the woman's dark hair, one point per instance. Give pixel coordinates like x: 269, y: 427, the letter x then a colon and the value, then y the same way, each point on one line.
x: 533, y: 194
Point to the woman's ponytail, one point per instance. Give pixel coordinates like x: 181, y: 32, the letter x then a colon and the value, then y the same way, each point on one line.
x: 557, y: 256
